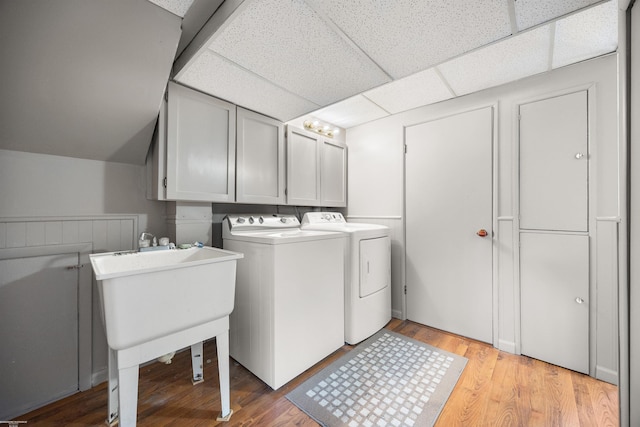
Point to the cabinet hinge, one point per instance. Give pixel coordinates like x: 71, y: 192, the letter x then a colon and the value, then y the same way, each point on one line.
x: 405, y: 148
x: 405, y: 289
x: 166, y: 95
x: 164, y: 182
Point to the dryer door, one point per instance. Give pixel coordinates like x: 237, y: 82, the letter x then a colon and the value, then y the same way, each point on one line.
x: 375, y: 265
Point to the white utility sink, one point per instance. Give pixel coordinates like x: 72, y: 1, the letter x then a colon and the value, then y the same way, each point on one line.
x: 154, y: 303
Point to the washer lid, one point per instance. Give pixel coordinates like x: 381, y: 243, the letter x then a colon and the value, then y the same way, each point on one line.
x: 276, y: 237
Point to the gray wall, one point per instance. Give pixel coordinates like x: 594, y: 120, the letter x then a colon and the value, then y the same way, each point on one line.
x: 376, y: 191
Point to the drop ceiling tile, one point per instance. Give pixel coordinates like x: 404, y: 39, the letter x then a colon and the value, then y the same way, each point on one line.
x: 518, y: 57
x: 587, y: 34
x: 286, y: 42
x: 407, y: 36
x: 533, y: 12
x: 422, y: 88
x: 350, y: 112
x: 212, y: 74
x: 177, y: 7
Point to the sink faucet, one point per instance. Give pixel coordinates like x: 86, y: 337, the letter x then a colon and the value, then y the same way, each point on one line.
x: 146, y: 240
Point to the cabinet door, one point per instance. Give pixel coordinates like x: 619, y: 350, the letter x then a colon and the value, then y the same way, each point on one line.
x: 303, y: 167
x: 156, y: 163
x: 554, y: 163
x: 38, y: 332
x: 334, y: 173
x: 200, y: 147
x: 554, y: 298
x: 260, y: 159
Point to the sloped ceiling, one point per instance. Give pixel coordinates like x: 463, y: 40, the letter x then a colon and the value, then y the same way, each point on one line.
x: 84, y: 78
x: 347, y: 62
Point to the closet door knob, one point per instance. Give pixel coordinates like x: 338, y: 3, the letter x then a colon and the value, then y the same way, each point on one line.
x: 579, y: 300
x: 579, y: 156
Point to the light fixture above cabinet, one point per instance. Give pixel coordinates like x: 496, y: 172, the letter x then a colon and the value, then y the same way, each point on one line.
x: 325, y: 129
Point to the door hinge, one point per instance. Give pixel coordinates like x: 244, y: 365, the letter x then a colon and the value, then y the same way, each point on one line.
x: 405, y: 289
x: 405, y: 148
x: 166, y: 95
x: 164, y: 182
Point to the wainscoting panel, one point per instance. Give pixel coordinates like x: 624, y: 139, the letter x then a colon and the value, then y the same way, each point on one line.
x: 104, y: 233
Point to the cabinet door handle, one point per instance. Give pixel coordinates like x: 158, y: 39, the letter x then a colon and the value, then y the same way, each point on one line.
x: 579, y: 300
x: 482, y: 232
x: 579, y: 156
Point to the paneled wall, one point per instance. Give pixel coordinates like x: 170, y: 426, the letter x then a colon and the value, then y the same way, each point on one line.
x: 376, y: 190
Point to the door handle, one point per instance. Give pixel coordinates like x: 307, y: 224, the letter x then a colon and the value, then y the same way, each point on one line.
x: 482, y: 232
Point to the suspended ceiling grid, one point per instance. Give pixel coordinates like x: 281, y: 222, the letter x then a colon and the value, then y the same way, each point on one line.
x: 349, y: 62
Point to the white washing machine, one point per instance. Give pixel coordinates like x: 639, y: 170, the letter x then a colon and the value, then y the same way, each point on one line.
x: 367, y: 272
x: 289, y: 295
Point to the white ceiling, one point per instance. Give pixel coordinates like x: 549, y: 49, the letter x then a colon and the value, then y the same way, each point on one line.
x: 348, y: 62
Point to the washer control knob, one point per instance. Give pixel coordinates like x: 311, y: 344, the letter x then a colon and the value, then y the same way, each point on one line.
x: 251, y: 220
x: 260, y: 220
x: 283, y: 220
x: 240, y: 220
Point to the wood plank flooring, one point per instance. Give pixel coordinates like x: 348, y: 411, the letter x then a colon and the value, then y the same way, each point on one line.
x: 495, y: 389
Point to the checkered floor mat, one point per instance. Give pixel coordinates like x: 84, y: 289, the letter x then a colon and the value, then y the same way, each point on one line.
x: 388, y: 380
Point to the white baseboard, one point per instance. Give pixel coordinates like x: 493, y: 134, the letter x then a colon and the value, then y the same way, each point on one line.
x: 508, y: 346
x: 606, y: 374
x: 99, y: 376
x: 397, y: 314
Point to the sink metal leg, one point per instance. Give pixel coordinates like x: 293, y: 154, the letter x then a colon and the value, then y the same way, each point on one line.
x: 128, y: 387
x: 112, y: 415
x: 222, y: 345
x: 196, y: 363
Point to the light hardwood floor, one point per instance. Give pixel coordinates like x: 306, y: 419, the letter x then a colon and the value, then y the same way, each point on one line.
x: 495, y: 389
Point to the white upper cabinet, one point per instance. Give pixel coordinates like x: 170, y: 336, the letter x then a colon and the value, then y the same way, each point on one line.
x: 303, y: 167
x: 260, y: 168
x: 200, y: 151
x: 316, y: 170
x: 333, y: 173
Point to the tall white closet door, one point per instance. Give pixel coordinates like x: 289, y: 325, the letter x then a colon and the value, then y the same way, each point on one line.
x: 554, y: 224
x: 553, y: 164
x: 448, y: 173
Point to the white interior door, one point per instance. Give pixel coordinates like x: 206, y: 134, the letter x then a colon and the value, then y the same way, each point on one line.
x: 554, y: 224
x: 38, y: 332
x: 448, y: 173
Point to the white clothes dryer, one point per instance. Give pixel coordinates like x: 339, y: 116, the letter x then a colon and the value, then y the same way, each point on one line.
x: 289, y: 295
x: 367, y: 297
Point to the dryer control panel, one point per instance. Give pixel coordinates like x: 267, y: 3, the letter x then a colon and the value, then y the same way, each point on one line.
x: 323, y: 218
